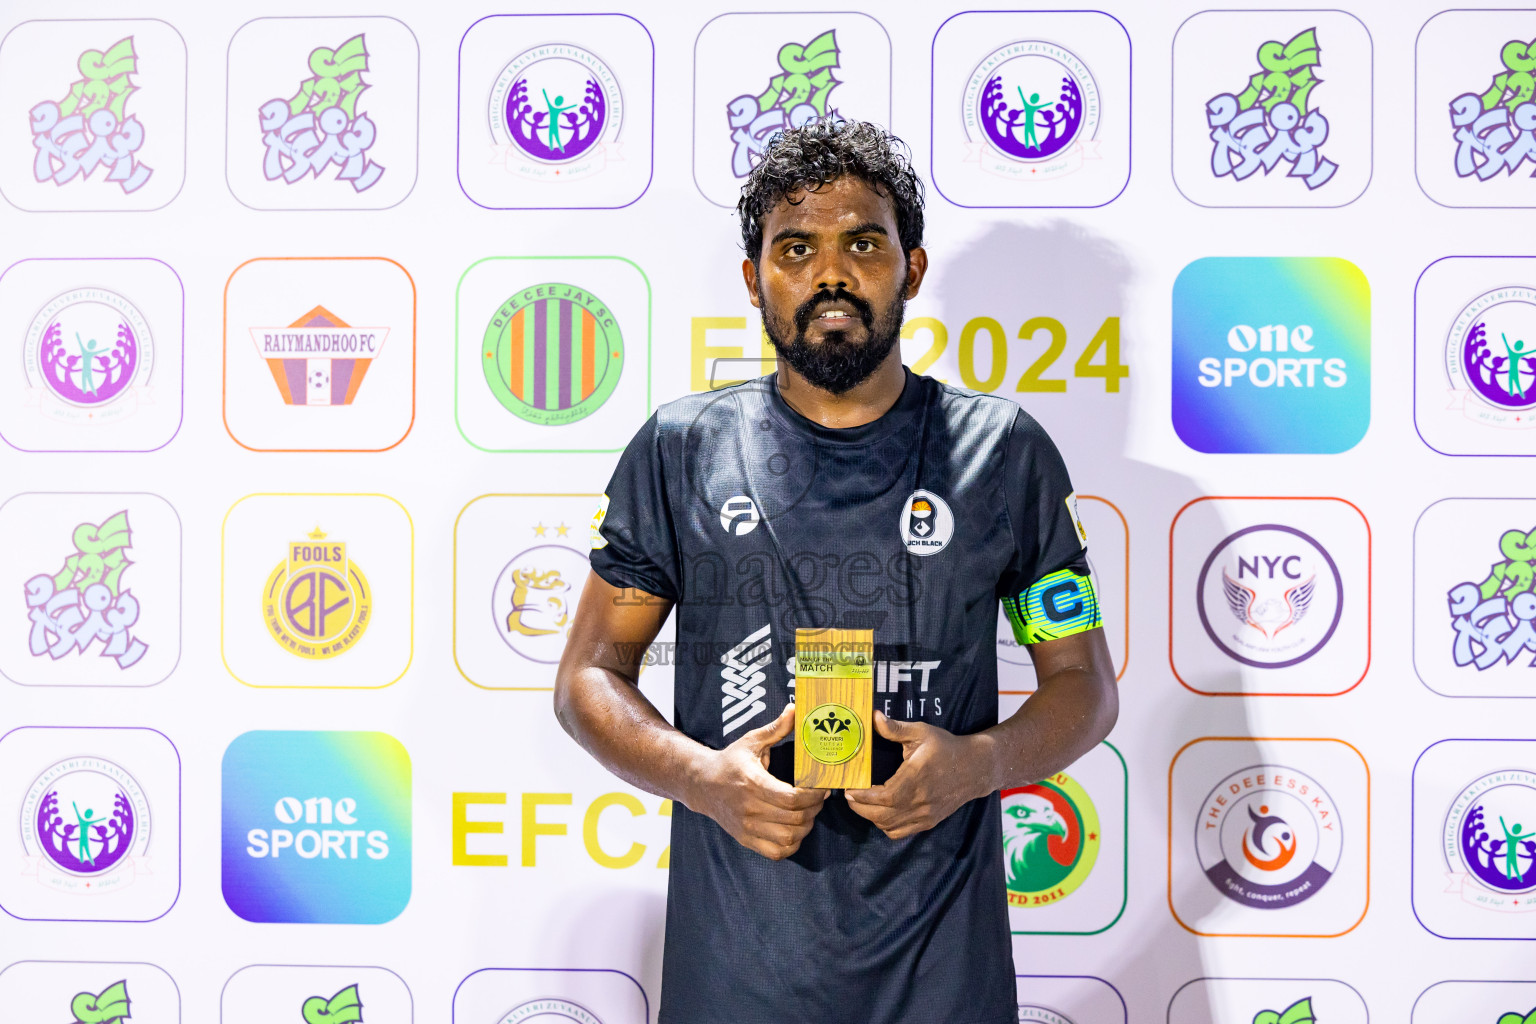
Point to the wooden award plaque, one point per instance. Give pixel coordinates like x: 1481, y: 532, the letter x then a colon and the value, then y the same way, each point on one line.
x: 834, y: 707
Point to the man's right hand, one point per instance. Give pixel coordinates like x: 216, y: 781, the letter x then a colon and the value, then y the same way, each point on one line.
x: 760, y: 812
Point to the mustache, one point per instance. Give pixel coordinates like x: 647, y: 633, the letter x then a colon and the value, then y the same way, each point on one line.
x: 806, y: 311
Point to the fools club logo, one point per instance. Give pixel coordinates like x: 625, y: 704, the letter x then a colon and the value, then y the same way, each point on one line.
x: 1489, y: 841
x: 86, y: 600
x: 1031, y: 103
x: 1273, y: 119
x: 552, y: 354
x: 319, y: 359
x: 85, y: 822
x: 555, y: 113
x: 1268, y: 837
x: 1270, y: 596
x: 88, y: 355
x: 1495, y: 620
x: 1490, y: 358
x: 319, y: 125
x: 1496, y: 130
x: 317, y: 603
x: 534, y: 600
x: 797, y: 93
x: 90, y: 127
x: 1050, y: 840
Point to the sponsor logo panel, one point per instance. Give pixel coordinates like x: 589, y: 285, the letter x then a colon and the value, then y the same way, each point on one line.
x: 322, y: 113
x: 94, y: 114
x: 318, y: 590
x: 553, y: 354
x: 1270, y: 596
x: 95, y: 823
x: 1269, y: 837
x: 316, y: 827
x: 555, y: 112
x: 1031, y: 109
x: 1272, y: 108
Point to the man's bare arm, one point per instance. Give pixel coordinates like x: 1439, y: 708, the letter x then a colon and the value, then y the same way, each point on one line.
x: 599, y: 703
x: 1073, y: 708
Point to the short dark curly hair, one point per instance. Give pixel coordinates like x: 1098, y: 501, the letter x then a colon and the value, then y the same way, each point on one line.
x: 815, y: 154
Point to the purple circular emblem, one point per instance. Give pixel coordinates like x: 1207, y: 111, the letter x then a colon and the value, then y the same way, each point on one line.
x: 555, y: 104
x: 1503, y: 371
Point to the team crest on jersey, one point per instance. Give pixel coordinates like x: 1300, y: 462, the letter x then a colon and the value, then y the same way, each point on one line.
x: 1489, y: 840
x: 317, y: 603
x: 319, y: 359
x: 552, y: 354
x: 926, y: 523
x: 1050, y: 840
x: 88, y: 355
x: 1077, y: 524
x: 598, y: 540
x: 1269, y: 837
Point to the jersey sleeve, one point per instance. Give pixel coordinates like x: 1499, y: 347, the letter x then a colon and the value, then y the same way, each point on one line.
x: 1046, y: 591
x: 633, y: 540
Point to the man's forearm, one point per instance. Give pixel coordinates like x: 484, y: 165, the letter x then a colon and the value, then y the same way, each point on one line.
x: 609, y: 716
x: 1067, y: 717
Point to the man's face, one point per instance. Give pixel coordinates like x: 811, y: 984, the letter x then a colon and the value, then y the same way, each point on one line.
x: 832, y: 282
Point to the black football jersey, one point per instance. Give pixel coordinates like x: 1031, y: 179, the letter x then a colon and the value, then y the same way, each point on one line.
x: 755, y: 520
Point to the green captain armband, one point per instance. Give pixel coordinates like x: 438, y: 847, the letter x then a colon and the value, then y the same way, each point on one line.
x: 1057, y: 605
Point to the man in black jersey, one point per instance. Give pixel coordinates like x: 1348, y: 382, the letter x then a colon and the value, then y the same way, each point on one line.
x: 844, y: 490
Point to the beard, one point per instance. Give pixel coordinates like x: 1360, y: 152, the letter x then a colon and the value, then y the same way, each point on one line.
x: 836, y: 364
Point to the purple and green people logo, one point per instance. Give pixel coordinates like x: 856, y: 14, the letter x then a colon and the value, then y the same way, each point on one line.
x: 547, y: 1009
x: 319, y: 125
x: 1489, y: 842
x: 1495, y: 620
x: 87, y: 355
x: 345, y: 1007
x: 109, y: 1006
x: 798, y: 92
x: 1032, y: 104
x: 1268, y: 837
x: 1496, y: 130
x: 1273, y: 119
x: 84, y: 823
x: 90, y: 127
x: 1490, y: 358
x: 552, y: 354
x: 555, y: 110
x: 86, y: 600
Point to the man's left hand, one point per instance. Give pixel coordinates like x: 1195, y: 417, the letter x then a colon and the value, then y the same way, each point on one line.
x: 939, y: 772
